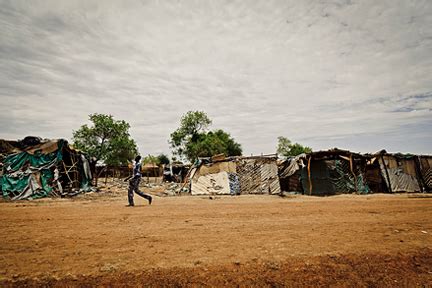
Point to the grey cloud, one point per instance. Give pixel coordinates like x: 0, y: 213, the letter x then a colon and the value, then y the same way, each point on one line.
x: 321, y: 72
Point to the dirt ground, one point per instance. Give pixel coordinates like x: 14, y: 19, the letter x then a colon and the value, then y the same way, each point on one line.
x: 243, y: 241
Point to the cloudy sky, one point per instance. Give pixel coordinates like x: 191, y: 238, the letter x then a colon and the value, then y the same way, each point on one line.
x: 332, y: 73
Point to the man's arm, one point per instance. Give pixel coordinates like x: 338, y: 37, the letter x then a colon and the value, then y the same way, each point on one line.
x: 127, y: 178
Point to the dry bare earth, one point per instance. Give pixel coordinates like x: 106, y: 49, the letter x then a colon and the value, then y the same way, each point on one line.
x: 342, y: 241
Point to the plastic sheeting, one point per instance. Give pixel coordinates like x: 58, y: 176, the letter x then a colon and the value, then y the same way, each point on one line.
x: 35, y: 171
x: 331, y: 177
x: 289, y: 173
x: 234, y: 183
x: 217, y: 183
x: 29, y: 175
x: 293, y: 164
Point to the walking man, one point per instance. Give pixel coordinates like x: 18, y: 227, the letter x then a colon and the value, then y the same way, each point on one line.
x: 134, y: 183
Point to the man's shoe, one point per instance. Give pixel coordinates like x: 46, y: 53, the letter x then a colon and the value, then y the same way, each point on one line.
x: 130, y: 205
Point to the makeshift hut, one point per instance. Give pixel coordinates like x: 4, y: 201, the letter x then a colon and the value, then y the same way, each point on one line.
x: 213, y: 178
x: 334, y: 172
x: 339, y: 171
x: 121, y: 171
x: 36, y: 168
x: 290, y: 173
x: 404, y: 173
x: 151, y: 170
x: 235, y: 175
x: 175, y: 172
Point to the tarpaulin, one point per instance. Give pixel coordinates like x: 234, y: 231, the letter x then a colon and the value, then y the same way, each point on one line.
x: 29, y: 175
x: 34, y: 172
x: 330, y: 177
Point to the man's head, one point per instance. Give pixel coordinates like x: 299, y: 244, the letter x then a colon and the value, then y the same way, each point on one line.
x: 137, y: 158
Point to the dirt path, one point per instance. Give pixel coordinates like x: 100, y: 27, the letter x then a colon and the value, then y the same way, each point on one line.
x: 194, y: 240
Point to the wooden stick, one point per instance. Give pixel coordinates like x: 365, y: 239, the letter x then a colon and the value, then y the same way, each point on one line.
x: 184, y: 183
x: 106, y: 176
x: 66, y: 171
x: 352, y: 171
x: 309, y: 175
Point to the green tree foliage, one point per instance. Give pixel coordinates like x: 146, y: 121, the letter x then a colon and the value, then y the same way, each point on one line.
x: 163, y: 159
x: 286, y: 148
x: 158, y: 160
x: 106, y: 139
x: 191, y: 125
x: 191, y: 140
x: 151, y: 159
x: 212, y: 143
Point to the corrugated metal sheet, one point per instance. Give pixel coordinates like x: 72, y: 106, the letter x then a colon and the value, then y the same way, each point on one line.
x: 401, y: 173
x: 292, y: 165
x: 425, y: 164
x: 258, y: 176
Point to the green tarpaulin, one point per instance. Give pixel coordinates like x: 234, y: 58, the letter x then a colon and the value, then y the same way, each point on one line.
x: 330, y: 177
x: 34, y: 174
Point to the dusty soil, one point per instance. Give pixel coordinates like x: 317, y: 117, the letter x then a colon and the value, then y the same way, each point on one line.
x: 94, y: 240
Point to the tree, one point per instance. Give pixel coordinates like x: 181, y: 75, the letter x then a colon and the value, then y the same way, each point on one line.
x: 286, y: 148
x: 215, y: 142
x: 151, y: 159
x: 163, y: 159
x: 106, y: 139
x: 191, y: 140
x: 158, y: 160
x: 191, y: 125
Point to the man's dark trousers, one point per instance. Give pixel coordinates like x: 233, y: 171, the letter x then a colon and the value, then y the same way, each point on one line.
x: 134, y: 187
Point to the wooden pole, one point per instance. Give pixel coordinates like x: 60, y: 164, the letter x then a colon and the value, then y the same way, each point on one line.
x: 352, y: 171
x: 309, y: 175
x: 185, y: 180
x: 106, y: 176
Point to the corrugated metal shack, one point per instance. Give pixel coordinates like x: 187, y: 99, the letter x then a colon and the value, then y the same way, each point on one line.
x: 322, y: 173
x: 339, y: 171
x: 405, y: 172
x: 236, y: 175
x: 334, y: 172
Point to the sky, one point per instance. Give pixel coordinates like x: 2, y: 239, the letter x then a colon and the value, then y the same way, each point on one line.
x: 355, y: 75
